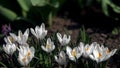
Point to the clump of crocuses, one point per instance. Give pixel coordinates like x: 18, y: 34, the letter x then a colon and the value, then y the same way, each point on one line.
x: 26, y: 52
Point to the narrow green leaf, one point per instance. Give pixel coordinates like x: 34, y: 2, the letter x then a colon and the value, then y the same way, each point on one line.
x: 7, y: 13
x: 50, y: 19
x: 25, y: 4
x: 3, y: 65
x: 114, y: 7
x: 105, y: 7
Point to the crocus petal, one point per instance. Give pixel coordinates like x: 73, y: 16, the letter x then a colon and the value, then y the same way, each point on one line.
x: 64, y: 36
x: 69, y: 38
x: 13, y: 36
x: 72, y: 58
x: 43, y: 34
x: 48, y: 41
x: 43, y: 26
x: 26, y: 33
x: 37, y: 31
x: 43, y: 47
x: 56, y: 58
x: 20, y: 33
x: 32, y: 49
x: 68, y: 50
x: 53, y: 47
x: 95, y: 53
x: 113, y: 52
x: 81, y: 47
x: 62, y: 54
x: 33, y: 32
x: 59, y: 36
x: 92, y: 57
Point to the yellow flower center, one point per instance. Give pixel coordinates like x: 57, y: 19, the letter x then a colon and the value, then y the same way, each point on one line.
x: 48, y: 46
x: 99, y: 55
x: 86, y: 49
x: 74, y: 53
x: 24, y: 59
x: 108, y: 51
x: 11, y: 39
x: 28, y: 54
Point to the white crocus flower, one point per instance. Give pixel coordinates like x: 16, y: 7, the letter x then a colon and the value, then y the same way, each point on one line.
x: 108, y: 52
x: 98, y: 54
x: 25, y: 55
x: 74, y: 53
x: 101, y: 54
x: 61, y: 58
x: 9, y: 48
x: 21, y: 38
x: 49, y: 46
x: 39, y: 32
x: 88, y: 49
x: 63, y: 40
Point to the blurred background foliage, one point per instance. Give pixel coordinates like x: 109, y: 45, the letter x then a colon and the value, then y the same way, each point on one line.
x: 34, y: 12
x: 31, y: 11
x: 107, y: 6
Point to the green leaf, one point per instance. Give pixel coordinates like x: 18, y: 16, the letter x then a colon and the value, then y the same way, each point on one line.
x: 50, y: 19
x: 114, y: 7
x: 115, y: 31
x: 25, y: 4
x: 7, y: 13
x: 117, y: 9
x: 41, y: 57
x: 105, y: 7
x: 54, y: 3
x: 3, y: 64
x: 39, y: 2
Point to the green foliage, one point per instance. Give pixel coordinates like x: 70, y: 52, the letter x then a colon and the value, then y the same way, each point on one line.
x: 3, y: 65
x: 109, y: 3
x: 25, y: 4
x: 45, y: 9
x: 116, y: 31
x: 105, y: 4
x: 114, y: 6
x: 7, y: 13
x: 83, y: 35
x: 105, y: 7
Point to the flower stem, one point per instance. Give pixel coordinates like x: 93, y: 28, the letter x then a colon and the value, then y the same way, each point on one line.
x: 10, y: 57
x: 50, y: 58
x: 76, y: 63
